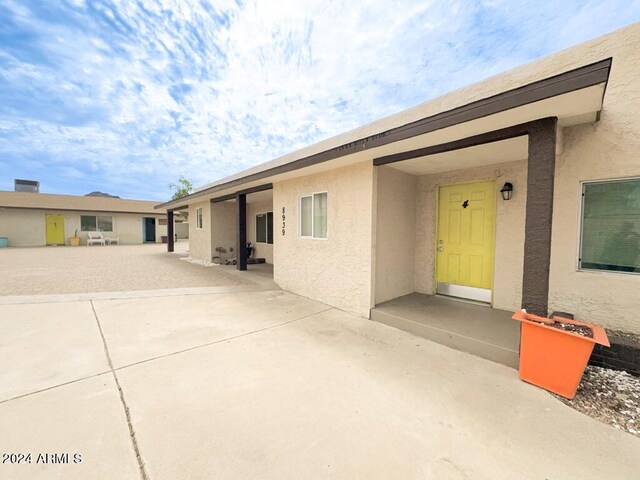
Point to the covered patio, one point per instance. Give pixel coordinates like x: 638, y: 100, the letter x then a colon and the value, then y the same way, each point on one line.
x: 237, y: 227
x: 249, y: 215
x: 465, y: 211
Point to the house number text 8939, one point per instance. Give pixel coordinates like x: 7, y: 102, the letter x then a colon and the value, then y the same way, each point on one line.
x: 283, y: 219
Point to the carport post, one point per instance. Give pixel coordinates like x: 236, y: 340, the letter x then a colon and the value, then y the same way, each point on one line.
x: 241, y: 229
x: 537, y: 244
x: 170, y: 231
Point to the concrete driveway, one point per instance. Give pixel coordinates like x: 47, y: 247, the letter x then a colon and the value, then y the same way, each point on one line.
x: 65, y: 270
x: 268, y: 385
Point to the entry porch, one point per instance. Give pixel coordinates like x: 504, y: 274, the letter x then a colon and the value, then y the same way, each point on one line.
x: 489, y: 333
x: 468, y: 212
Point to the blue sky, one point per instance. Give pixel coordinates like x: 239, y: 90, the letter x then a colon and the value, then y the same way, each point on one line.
x: 126, y: 96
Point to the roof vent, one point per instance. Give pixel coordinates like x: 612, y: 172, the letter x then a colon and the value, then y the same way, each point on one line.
x: 26, y: 186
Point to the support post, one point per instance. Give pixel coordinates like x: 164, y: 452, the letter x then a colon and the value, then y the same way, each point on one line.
x: 170, y: 231
x: 537, y: 244
x: 241, y: 229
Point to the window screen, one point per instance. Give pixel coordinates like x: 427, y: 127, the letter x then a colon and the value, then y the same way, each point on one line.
x: 611, y: 226
x: 320, y: 215
x: 306, y: 220
x: 261, y: 228
x: 264, y: 228
x: 88, y: 223
x: 199, y: 217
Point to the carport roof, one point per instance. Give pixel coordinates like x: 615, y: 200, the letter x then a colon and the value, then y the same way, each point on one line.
x: 47, y: 201
x: 574, y: 96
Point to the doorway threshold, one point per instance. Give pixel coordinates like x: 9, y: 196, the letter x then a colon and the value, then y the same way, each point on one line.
x: 464, y: 300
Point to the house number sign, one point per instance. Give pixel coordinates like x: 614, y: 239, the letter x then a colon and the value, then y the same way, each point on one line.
x: 283, y: 219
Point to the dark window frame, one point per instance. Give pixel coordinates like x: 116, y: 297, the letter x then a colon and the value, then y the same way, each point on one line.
x: 593, y: 267
x: 268, y: 228
x: 96, y: 223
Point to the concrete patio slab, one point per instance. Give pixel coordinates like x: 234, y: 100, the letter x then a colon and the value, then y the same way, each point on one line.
x: 487, y: 332
x: 85, y: 418
x: 140, y: 329
x: 336, y: 396
x: 45, y: 345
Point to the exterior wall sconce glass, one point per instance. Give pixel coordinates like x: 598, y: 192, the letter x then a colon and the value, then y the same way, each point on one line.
x: 507, y: 191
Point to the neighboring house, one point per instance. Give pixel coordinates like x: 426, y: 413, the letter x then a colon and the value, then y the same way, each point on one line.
x: 37, y: 219
x: 414, y: 202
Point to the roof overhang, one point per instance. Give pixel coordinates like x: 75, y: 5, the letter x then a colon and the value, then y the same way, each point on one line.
x: 574, y: 97
x: 80, y: 210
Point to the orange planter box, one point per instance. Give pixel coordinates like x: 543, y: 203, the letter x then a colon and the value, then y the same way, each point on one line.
x: 552, y: 358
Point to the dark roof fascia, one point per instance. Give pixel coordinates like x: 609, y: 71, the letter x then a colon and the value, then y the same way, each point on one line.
x: 572, y: 80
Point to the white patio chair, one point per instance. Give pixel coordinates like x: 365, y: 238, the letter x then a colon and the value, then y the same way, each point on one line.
x: 96, y: 238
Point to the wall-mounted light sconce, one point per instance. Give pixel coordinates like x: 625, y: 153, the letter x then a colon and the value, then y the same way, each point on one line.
x: 507, y: 191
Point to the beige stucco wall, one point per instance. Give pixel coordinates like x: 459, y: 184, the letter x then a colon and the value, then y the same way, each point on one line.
x: 182, y: 230
x: 260, y: 249
x: 27, y: 228
x: 200, y: 238
x: 127, y: 228
x: 161, y: 230
x: 605, y: 150
x: 509, y: 237
x: 223, y: 231
x: 336, y: 271
x: 395, y: 234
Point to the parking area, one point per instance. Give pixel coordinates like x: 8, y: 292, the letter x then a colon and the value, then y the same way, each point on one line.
x: 63, y: 270
x: 128, y: 362
x: 266, y: 384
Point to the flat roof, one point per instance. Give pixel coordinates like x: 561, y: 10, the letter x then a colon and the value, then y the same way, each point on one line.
x: 557, y: 85
x: 77, y: 203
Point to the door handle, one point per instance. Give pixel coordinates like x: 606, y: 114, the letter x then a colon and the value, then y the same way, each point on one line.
x: 440, y: 249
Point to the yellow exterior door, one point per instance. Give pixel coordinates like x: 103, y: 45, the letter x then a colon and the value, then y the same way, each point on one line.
x: 55, y: 229
x: 465, y: 240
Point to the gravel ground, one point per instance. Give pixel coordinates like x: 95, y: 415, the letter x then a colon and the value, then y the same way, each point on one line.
x: 610, y: 396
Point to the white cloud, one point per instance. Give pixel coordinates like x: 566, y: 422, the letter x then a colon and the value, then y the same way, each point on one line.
x: 135, y: 94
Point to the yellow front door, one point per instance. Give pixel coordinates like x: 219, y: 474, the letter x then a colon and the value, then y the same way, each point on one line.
x: 465, y: 240
x: 55, y: 229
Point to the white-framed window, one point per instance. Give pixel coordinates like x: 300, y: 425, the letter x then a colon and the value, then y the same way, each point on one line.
x: 313, y: 215
x: 264, y: 228
x: 199, y: 217
x: 610, y: 226
x: 96, y: 223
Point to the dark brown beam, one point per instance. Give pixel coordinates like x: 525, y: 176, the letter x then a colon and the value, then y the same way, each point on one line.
x: 241, y: 231
x: 481, y: 139
x: 256, y: 189
x: 170, y: 231
x: 181, y: 207
x: 582, y: 77
x: 246, y: 191
x: 224, y: 198
x: 537, y: 243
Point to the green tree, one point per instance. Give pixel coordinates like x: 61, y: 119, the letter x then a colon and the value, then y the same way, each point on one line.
x: 181, y: 188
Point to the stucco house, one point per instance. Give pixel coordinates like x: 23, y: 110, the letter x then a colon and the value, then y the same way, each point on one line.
x: 522, y: 190
x: 31, y: 219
